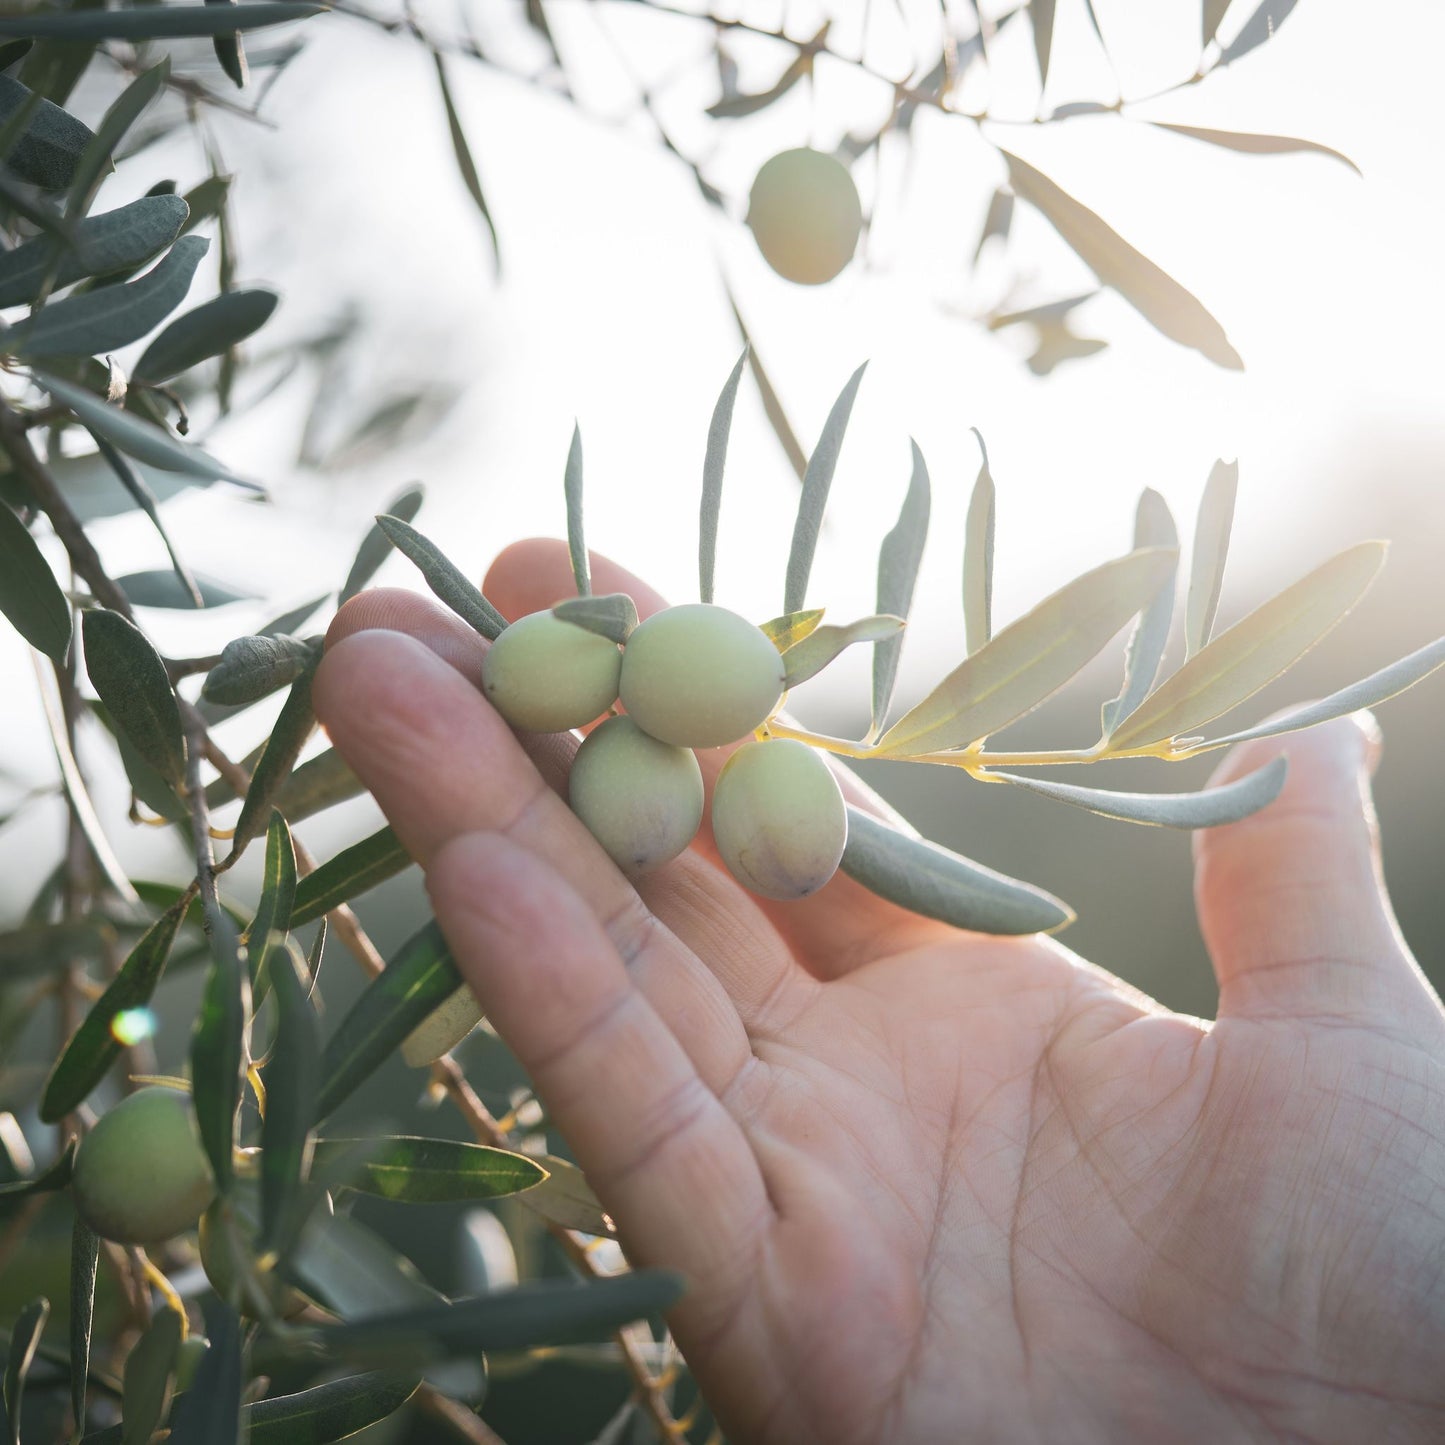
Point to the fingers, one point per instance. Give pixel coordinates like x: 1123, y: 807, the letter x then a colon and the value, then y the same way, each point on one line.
x: 1292, y: 901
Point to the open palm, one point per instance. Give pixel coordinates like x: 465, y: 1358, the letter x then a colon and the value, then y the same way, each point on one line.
x: 928, y: 1186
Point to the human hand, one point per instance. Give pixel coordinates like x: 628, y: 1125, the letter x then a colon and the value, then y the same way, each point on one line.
x: 932, y: 1186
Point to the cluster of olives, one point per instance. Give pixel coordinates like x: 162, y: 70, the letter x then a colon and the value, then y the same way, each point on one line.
x: 695, y: 676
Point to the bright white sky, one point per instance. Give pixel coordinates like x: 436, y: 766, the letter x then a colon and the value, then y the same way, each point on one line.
x: 610, y: 311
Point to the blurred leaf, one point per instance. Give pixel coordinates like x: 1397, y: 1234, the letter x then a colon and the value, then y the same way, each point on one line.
x: 230, y: 53
x: 1254, y: 651
x: 376, y: 546
x: 347, y: 875
x: 899, y: 557
x: 153, y: 22
x: 565, y: 1197
x: 278, y: 892
x: 418, y: 978
x: 23, y: 1340
x: 56, y: 1176
x: 1058, y: 344
x: 132, y: 682
x: 39, y: 947
x: 356, y: 1272
x: 1031, y: 658
x: 1211, y: 15
x: 48, y: 152
x: 814, y: 498
x: 442, y: 1030
x: 113, y: 241
x: 809, y: 657
x: 30, y: 597
x: 14, y: 51
x: 772, y: 404
x: 333, y: 1411
x: 789, y: 630
x: 290, y: 1101
x: 93, y: 1047
x: 997, y: 220
x: 714, y: 463
x: 149, y: 1378
x: 576, y: 536
x: 319, y: 783
x: 91, y: 487
x: 209, y: 1413
x: 207, y: 331
x: 253, y: 667
x: 53, y: 67
x: 292, y: 728
x: 1211, y: 549
x: 207, y: 200
x: 435, y: 1171
x: 929, y: 880
x: 733, y: 107
x: 1206, y: 809
x: 978, y: 556
x: 612, y: 615
x: 105, y: 320
x: 1259, y: 145
x: 1041, y: 16
x: 121, y: 115
x: 1156, y: 296
x: 1260, y: 26
x: 219, y: 1047
x: 1153, y: 527
x: 1041, y: 316
x: 84, y: 1254
x: 463, y: 153
x: 444, y: 578
x: 1369, y: 691
x: 160, y: 587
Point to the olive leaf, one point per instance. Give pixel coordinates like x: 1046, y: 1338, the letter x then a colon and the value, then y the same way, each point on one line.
x: 219, y: 1046
x: 95, y: 161
x: 49, y: 148
x: 1260, y: 26
x: 154, y: 22
x: 1258, y: 145
x: 809, y: 657
x: 899, y: 557
x: 789, y: 630
x: 734, y: 107
x: 292, y: 728
x: 230, y: 52
x: 1211, y: 550
x: 209, y: 1413
x: 30, y: 597
x: 333, y: 1411
x: 24, y: 1338
x: 161, y: 587
x: 565, y: 1197
x: 272, y: 920
x: 612, y: 615
x: 817, y: 481
x: 432, y: 1171
x: 149, y: 1378
x: 576, y: 537
x: 207, y: 331
x: 355, y: 1271
x: 927, y: 879
x: 1031, y: 658
x: 1254, y: 651
x: 347, y: 875
x: 319, y: 783
x: 84, y: 1256
x: 978, y: 555
x: 1153, y: 527
x: 1041, y: 17
x: 713, y: 466
x: 291, y: 1081
x: 55, y: 1176
x: 444, y: 578
x: 251, y: 668
x: 376, y: 545
x: 1211, y: 16
x: 997, y: 220
x: 462, y: 151
x: 442, y: 1030
x: 133, y: 684
x: 772, y: 404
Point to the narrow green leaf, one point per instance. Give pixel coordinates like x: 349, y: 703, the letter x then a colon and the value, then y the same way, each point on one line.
x: 1378, y: 687
x: 978, y: 555
x: 1211, y: 550
x: 1156, y: 296
x: 442, y: 1029
x: 23, y: 1339
x: 291, y: 1078
x: 347, y: 875
x: 54, y: 68
x: 418, y: 978
x: 444, y: 578
x: 613, y: 615
x: 48, y: 151
x: 1153, y: 527
x: 576, y: 536
x: 1210, y: 18
x: 254, y: 667
x: 565, y: 1197
x: 466, y: 165
x: 356, y: 1272
x: 809, y: 657
x: 772, y: 403
x: 1031, y: 658
x: 105, y: 320
x: 160, y: 587
x: 1254, y: 651
x: 30, y: 597
x: 333, y: 1411
x: 209, y: 1413
x: 817, y: 482
x: 929, y: 880
x: 56, y: 1176
x: 94, y: 1046
x: 1257, y: 145
x: 376, y: 545
x: 207, y: 200
x: 293, y: 727
x: 230, y: 53
x: 154, y: 22
x: 713, y: 466
x: 997, y: 221
x: 124, y: 111
x: 319, y: 783
x: 208, y: 330
x: 1206, y: 809
x: 219, y: 1047
x: 899, y: 558
x: 789, y: 630
x: 150, y: 1378
x: 734, y: 107
x: 132, y: 682
x: 17, y: 121
x: 14, y: 51
x: 99, y: 245
x: 84, y: 1254
x: 434, y: 1171
x: 1260, y: 26
x: 272, y: 921
x: 1041, y: 16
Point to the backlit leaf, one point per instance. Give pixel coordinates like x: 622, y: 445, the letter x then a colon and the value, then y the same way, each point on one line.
x: 809, y: 657
x: 154, y: 22
x: 49, y: 150
x: 84, y: 1255
x: 1041, y: 16
x: 462, y: 151
x: 160, y: 587
x: 149, y: 1378
x: 442, y: 1030
x: 132, y: 682
x: 1211, y: 16
x: 565, y: 1197
x: 714, y: 463
x: 899, y: 557
x: 333, y: 1411
x: 576, y: 536
x: 30, y: 597
x: 444, y: 578
x: 734, y: 107
x: 253, y: 667
x: 613, y: 615
x: 376, y: 545
x: 24, y: 1337
x: 1260, y: 26
x: 291, y: 1078
x: 347, y: 875
x: 208, y: 330
x: 978, y: 556
x: 997, y: 221
x: 1211, y: 550
x: 1258, y: 145
x: 772, y: 404
x: 431, y: 1171
x: 272, y: 920
x: 292, y: 728
x: 1153, y: 527
x: 789, y: 630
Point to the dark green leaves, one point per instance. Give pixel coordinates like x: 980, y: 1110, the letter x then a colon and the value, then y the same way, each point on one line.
x: 207, y: 331
x: 123, y: 113
x: 209, y: 1413
x: 84, y: 1254
x: 94, y: 1045
x: 57, y: 1176
x: 576, y: 534
x: 161, y: 587
x: 432, y: 1171
x: 49, y: 149
x: 899, y: 557
x: 347, y: 875
x: 219, y: 1046
x: 463, y: 153
x: 444, y: 578
x: 230, y: 52
x: 149, y: 1378
x: 334, y: 1411
x: 253, y: 667
x: 278, y: 890
x: 23, y: 1341
x: 714, y: 463
x: 293, y: 726
x: 113, y: 316
x: 290, y: 1102
x: 132, y: 682
x: 153, y: 22
x: 29, y: 594
x: 612, y: 615
x: 416, y: 981
x: 376, y: 546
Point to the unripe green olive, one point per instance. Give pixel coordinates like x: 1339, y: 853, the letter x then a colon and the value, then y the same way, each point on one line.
x: 545, y: 675
x: 805, y: 215
x: 699, y: 676
x: 640, y: 798
x: 141, y: 1175
x: 779, y: 819
x: 227, y: 1253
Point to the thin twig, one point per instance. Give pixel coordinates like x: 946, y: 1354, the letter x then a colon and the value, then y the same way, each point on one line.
x: 458, y: 1418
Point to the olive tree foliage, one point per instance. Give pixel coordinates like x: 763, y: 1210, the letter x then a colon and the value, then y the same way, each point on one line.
x: 236, y: 1165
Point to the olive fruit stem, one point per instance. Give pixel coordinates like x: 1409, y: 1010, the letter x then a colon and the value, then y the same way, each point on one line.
x: 165, y: 1289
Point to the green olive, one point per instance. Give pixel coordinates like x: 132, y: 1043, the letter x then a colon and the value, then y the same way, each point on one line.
x: 545, y: 675
x: 141, y: 1175
x: 699, y: 676
x: 779, y: 819
x: 805, y: 215
x: 641, y: 799
x: 228, y: 1254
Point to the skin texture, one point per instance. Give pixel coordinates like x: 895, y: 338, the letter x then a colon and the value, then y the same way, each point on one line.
x: 928, y: 1186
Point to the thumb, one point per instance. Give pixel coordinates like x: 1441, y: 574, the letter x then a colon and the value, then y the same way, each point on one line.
x: 1292, y: 900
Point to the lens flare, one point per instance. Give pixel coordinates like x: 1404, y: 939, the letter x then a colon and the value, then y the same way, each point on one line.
x: 133, y: 1026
